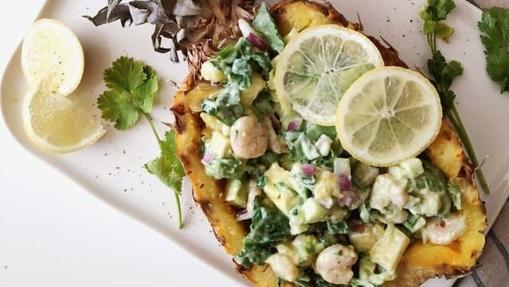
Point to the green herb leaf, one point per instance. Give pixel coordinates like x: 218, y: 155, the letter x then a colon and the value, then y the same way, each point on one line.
x: 455, y: 194
x: 432, y: 179
x: 443, y: 31
x: 133, y: 87
x: 252, y: 254
x: 168, y: 168
x: 302, y: 145
x: 437, y: 10
x: 443, y: 76
x: 146, y: 92
x: 444, y: 73
x: 495, y: 28
x: 235, y: 62
x: 337, y: 227
x: 225, y: 168
x: 116, y: 106
x: 264, y: 24
x: 227, y: 106
x: 126, y: 74
x: 269, y: 227
x: 262, y: 106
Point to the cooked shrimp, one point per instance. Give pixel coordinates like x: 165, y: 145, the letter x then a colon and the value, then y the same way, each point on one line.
x: 248, y: 138
x: 444, y: 231
x: 335, y: 263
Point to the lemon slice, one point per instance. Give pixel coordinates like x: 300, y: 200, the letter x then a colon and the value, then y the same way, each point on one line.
x: 388, y: 115
x: 58, y: 124
x: 317, y: 67
x: 52, y: 53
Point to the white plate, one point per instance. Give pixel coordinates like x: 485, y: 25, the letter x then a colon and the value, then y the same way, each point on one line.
x: 113, y: 169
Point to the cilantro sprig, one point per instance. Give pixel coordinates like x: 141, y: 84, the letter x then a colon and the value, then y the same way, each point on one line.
x: 133, y: 87
x: 494, y: 25
x: 444, y: 73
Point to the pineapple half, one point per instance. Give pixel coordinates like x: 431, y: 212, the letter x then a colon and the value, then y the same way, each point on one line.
x: 420, y: 261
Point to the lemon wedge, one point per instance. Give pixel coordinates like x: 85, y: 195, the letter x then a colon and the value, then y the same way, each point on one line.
x: 52, y: 62
x: 388, y: 115
x: 52, y: 53
x: 57, y: 124
x: 317, y: 67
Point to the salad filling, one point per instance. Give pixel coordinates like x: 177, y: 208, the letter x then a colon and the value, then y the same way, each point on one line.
x: 317, y: 215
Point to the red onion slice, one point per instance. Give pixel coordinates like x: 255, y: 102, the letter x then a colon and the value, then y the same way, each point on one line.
x: 308, y: 170
x: 294, y: 125
x: 251, y: 35
x: 276, y: 124
x: 345, y: 184
x: 207, y: 158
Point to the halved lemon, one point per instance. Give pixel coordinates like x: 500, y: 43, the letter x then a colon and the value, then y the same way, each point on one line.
x: 317, y: 67
x: 57, y: 124
x: 52, y: 53
x: 388, y: 115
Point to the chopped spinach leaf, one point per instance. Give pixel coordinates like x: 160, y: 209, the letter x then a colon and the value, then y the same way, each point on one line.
x: 227, y: 106
x: 236, y: 63
x: 225, y: 168
x: 264, y: 24
x: 262, y: 106
x: 269, y: 227
x: 455, y: 194
x: 253, y: 254
x: 338, y: 227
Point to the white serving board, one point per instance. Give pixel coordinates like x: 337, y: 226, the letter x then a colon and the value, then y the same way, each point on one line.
x: 113, y: 170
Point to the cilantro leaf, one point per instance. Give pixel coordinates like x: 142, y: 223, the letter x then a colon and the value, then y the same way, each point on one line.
x: 264, y: 24
x: 498, y: 68
x: 132, y: 89
x: 494, y: 25
x: 437, y: 10
x: 444, y: 74
x: 168, y: 168
x: 116, y: 106
x: 145, y: 93
x: 125, y: 74
x: 443, y: 31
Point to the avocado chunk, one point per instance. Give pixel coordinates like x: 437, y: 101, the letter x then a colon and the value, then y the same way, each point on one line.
x: 387, y: 251
x: 313, y: 211
x: 236, y: 193
x: 278, y: 189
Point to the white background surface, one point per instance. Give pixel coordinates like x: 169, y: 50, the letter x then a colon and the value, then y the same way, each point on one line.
x: 53, y: 233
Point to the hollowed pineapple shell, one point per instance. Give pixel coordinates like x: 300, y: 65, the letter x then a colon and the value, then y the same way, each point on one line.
x: 420, y: 262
